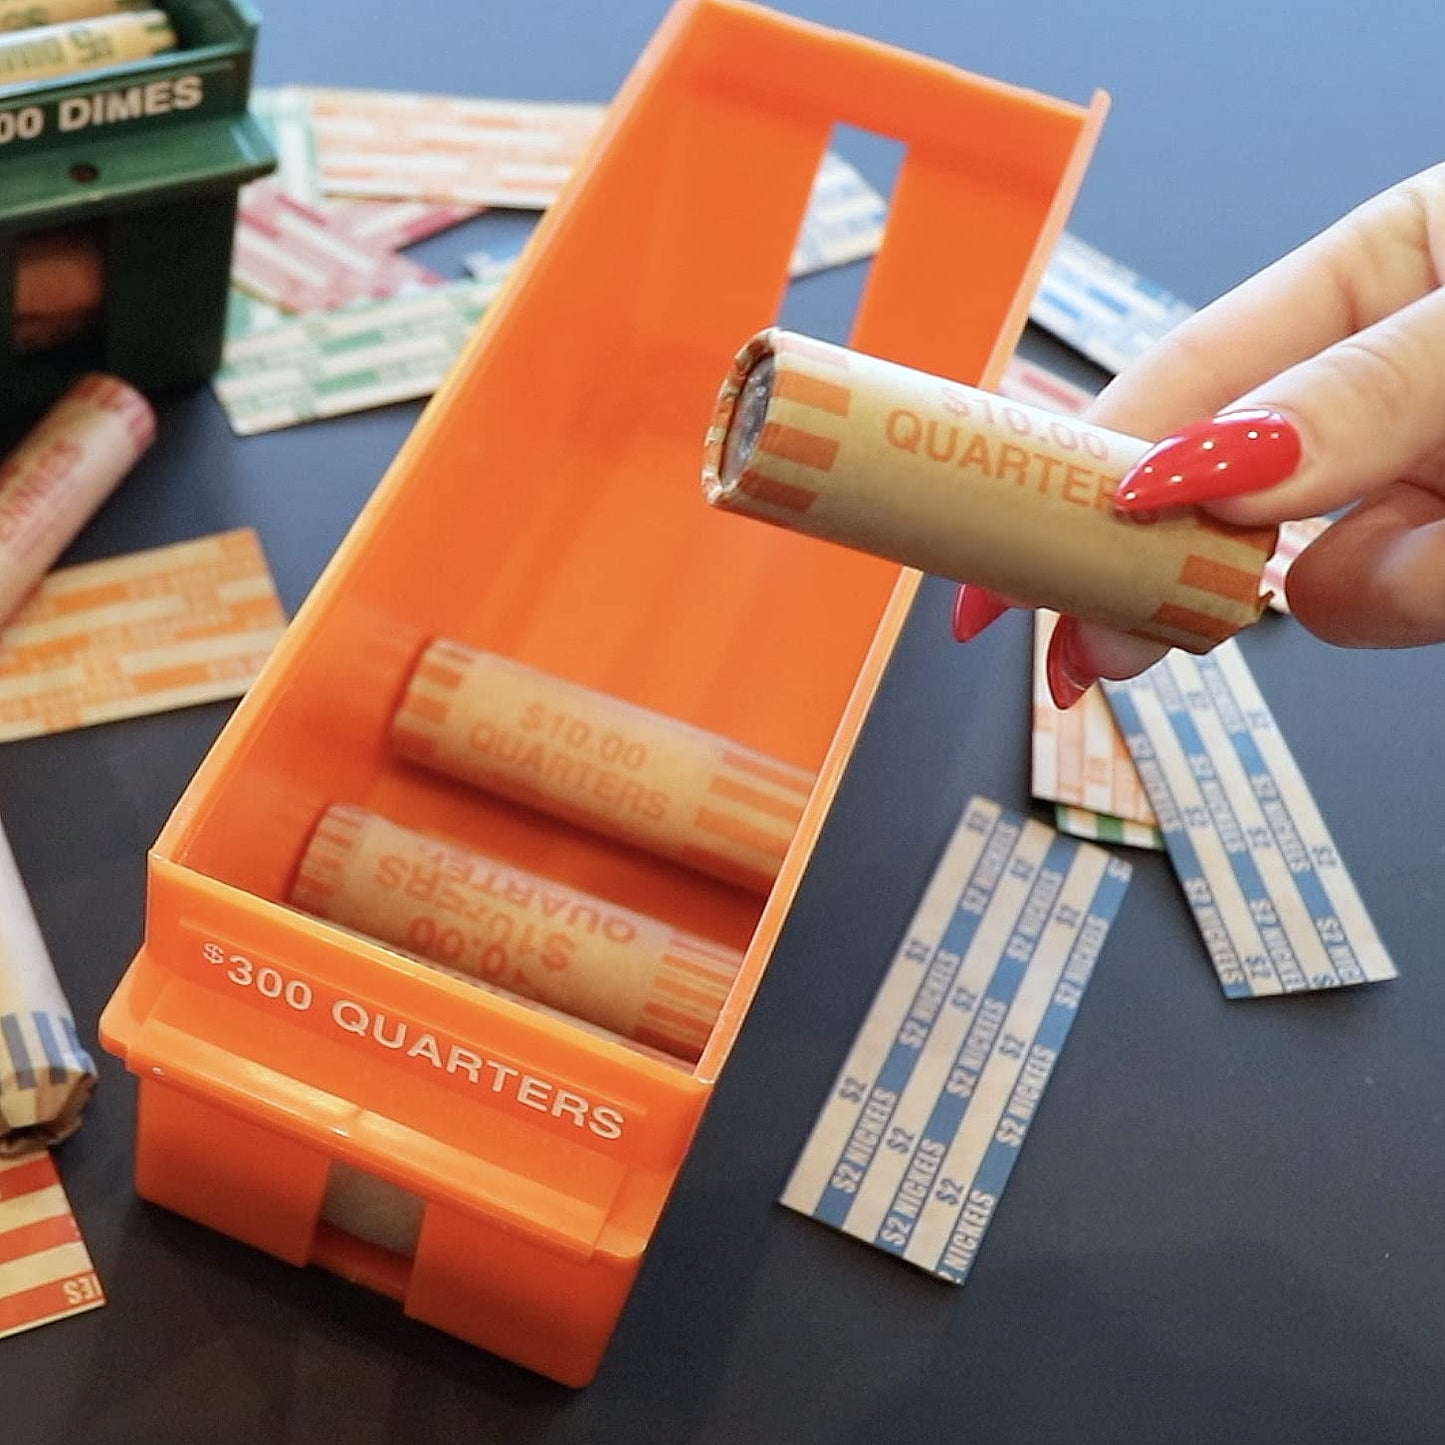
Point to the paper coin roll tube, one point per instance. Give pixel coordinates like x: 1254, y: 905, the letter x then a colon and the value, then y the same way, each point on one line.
x: 602, y: 763
x: 52, y: 483
x: 81, y: 45
x: 539, y: 939
x: 530, y: 1004
x: 28, y: 14
x: 45, y: 1075
x: 969, y: 486
x: 59, y: 286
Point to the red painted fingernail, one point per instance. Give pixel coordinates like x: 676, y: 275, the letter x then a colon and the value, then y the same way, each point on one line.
x: 1225, y: 456
x: 1068, y: 678
x: 973, y: 609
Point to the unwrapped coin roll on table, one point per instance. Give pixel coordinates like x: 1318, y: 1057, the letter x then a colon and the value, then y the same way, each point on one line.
x: 535, y: 937
x: 45, y: 1075
x: 969, y: 486
x: 65, y: 467
x: 602, y: 763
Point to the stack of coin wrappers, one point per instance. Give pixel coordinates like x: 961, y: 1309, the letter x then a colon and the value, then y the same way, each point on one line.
x: 95, y: 642
x: 327, y: 318
x: 1111, y: 315
x: 41, y: 39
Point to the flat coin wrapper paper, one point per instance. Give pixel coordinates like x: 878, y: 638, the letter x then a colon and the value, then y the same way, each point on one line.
x: 966, y: 485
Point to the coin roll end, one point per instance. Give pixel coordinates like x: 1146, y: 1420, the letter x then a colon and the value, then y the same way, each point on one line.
x: 738, y: 418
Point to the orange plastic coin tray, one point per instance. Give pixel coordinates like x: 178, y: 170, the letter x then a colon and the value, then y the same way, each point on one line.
x: 547, y: 507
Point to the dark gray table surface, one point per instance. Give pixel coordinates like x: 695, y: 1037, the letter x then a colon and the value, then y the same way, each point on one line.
x: 1225, y: 1224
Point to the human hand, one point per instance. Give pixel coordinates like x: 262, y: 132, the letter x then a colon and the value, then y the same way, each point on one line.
x: 1323, y: 378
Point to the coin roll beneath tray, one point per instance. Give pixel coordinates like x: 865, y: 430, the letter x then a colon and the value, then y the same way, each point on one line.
x: 542, y: 940
x: 599, y: 762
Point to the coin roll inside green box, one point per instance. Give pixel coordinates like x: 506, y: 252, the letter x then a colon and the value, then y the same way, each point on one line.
x: 147, y: 157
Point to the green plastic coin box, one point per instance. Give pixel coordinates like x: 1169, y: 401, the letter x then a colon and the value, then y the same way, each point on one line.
x: 148, y: 158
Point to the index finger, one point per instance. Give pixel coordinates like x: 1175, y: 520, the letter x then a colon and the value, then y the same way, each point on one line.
x: 1365, y: 267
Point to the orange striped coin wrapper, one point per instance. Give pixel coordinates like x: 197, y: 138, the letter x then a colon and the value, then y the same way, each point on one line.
x: 602, y: 763
x: 45, y: 1268
x: 1079, y: 757
x: 52, y: 483
x: 539, y: 939
x: 445, y: 148
x: 969, y: 486
x: 164, y: 628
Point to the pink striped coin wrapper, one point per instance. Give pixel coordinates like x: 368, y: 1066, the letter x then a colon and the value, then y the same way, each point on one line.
x: 298, y: 258
x: 394, y: 225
